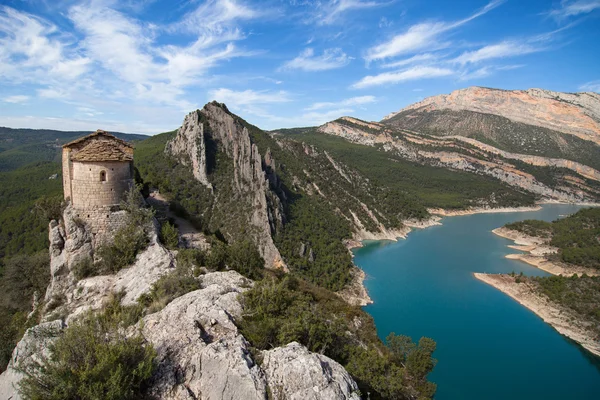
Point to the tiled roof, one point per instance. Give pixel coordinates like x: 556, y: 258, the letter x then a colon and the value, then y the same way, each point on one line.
x: 102, y: 150
x: 98, y: 133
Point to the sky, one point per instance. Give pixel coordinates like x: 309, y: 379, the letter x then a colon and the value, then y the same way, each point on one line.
x: 140, y: 66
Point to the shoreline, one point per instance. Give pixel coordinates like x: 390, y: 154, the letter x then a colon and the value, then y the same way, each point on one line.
x: 551, y: 313
x: 356, y: 293
x: 481, y: 210
x: 536, y: 249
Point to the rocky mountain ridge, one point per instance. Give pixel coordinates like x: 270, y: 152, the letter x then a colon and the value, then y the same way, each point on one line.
x: 213, y: 129
x: 571, y: 113
x: 471, y: 155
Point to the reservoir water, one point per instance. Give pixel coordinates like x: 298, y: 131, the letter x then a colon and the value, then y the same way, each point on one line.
x: 488, y: 345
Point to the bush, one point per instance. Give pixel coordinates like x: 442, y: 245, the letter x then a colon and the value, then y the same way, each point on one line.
x: 191, y: 259
x: 170, y: 287
x: 93, y: 359
x: 169, y: 235
x: 128, y: 242
x: 277, y: 312
x: 244, y: 258
x: 84, y: 268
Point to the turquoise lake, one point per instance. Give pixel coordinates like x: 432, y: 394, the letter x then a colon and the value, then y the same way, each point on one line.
x: 488, y: 345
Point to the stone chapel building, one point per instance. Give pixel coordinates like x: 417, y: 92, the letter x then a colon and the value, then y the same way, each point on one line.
x: 97, y: 171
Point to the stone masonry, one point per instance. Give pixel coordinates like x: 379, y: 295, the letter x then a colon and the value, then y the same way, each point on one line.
x: 97, y: 172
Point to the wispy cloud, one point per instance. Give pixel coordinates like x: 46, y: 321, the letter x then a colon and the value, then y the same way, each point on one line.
x: 31, y: 50
x: 15, y: 99
x: 351, y: 102
x: 308, y: 61
x: 425, y: 35
x: 330, y: 12
x: 410, y: 74
x: 248, y: 97
x: 419, y: 58
x: 571, y: 8
x: 593, y: 86
x: 216, y: 19
x: 498, y: 50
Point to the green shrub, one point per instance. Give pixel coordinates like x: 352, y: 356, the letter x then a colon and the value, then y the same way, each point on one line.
x: 170, y: 287
x: 277, y: 312
x: 169, y: 235
x: 92, y: 359
x: 84, y: 268
x: 244, y: 258
x: 192, y: 259
x: 127, y: 243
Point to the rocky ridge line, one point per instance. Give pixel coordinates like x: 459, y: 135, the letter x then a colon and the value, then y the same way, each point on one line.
x: 572, y: 113
x: 253, y: 176
x: 377, y: 134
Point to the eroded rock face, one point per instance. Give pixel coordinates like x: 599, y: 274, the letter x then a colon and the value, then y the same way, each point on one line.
x: 31, y: 348
x: 573, y: 113
x: 252, y: 178
x: 202, y: 355
x: 294, y: 373
x: 190, y: 142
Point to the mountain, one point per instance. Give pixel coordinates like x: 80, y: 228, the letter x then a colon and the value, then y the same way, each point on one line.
x: 534, y: 121
x: 543, y: 142
x: 19, y: 147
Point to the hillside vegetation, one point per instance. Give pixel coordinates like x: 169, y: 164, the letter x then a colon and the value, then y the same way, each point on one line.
x: 577, y: 236
x: 19, y: 147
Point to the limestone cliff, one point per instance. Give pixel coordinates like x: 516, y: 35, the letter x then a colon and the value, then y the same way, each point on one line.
x: 212, y: 130
x: 572, y: 113
x: 471, y: 155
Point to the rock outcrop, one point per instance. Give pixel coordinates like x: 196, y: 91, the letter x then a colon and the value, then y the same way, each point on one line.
x: 201, y: 354
x: 292, y: 372
x: 70, y: 244
x: 572, y: 113
x: 190, y: 145
x: 31, y: 348
x: 253, y: 177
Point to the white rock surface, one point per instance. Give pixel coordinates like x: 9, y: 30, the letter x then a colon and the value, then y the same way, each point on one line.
x: 294, y: 373
x: 32, y: 346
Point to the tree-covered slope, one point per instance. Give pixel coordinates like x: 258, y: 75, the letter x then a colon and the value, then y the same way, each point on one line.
x: 19, y: 147
x: 576, y: 236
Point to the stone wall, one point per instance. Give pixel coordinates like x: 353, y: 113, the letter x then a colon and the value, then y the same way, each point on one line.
x: 102, y: 222
x: 88, y: 190
x: 66, y: 168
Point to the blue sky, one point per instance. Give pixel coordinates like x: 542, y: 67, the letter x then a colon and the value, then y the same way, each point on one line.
x: 140, y: 65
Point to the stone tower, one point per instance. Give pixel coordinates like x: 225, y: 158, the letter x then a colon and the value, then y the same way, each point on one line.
x: 97, y: 171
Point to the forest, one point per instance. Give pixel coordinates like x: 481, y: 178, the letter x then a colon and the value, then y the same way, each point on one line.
x: 576, y: 236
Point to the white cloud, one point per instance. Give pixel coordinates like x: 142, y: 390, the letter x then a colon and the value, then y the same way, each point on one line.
x: 307, y: 61
x: 593, y: 86
x: 331, y: 12
x: 498, y: 50
x: 421, y: 36
x: 571, y: 8
x: 215, y: 19
x: 353, y: 101
x: 31, y: 50
x: 414, y: 73
x: 412, y: 60
x: 248, y: 97
x: 15, y: 99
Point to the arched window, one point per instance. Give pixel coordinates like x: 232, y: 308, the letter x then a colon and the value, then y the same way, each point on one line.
x: 102, y: 176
